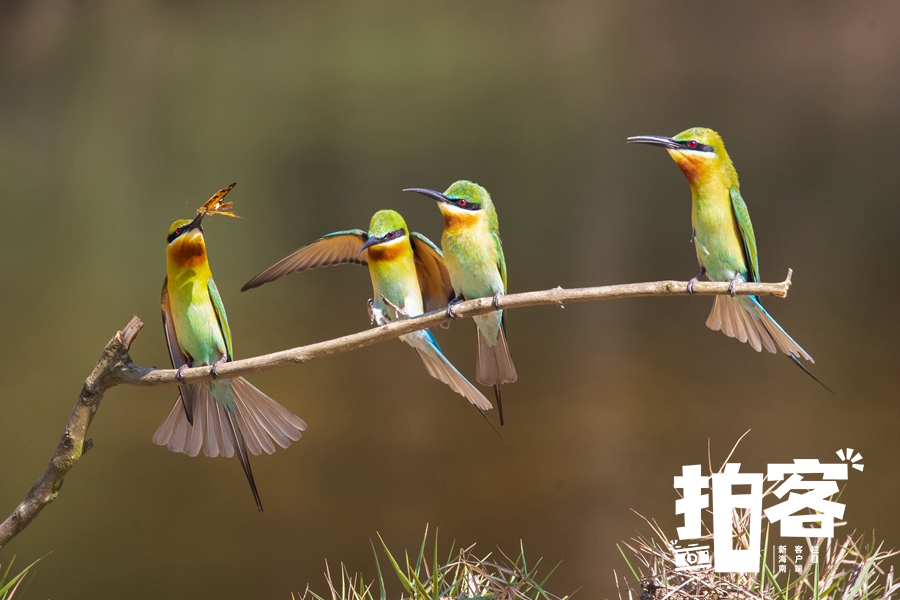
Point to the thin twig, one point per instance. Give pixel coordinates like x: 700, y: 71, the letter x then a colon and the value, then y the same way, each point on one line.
x: 116, y: 368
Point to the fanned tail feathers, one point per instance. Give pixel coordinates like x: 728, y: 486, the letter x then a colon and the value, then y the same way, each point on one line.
x: 250, y: 427
x: 744, y: 319
x: 259, y: 418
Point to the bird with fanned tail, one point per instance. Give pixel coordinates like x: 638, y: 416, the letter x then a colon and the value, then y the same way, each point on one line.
x: 223, y: 417
x: 724, y: 240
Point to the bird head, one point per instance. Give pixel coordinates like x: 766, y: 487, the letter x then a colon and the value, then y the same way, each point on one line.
x: 388, y: 235
x: 463, y: 204
x: 185, y: 241
x: 699, y: 152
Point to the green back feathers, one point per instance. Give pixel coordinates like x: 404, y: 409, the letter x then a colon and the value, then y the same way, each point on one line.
x: 219, y: 308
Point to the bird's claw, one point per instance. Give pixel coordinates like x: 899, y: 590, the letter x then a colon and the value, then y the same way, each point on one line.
x: 214, y: 369
x: 496, y: 301
x: 450, y: 312
x: 179, y: 374
x: 396, y: 308
x: 731, y: 286
x: 694, y: 280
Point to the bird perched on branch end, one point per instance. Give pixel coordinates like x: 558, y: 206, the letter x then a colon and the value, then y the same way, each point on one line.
x: 724, y: 240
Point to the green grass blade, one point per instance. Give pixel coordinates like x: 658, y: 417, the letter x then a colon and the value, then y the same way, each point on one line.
x: 421, y: 553
x: 628, y: 562
x: 383, y: 593
x: 9, y: 585
x: 407, y: 584
x: 435, y: 570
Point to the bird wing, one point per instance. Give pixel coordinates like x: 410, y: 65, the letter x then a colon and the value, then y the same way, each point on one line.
x: 333, y: 249
x: 742, y: 216
x: 434, y: 280
x: 501, y: 260
x: 220, y: 316
x: 177, y: 356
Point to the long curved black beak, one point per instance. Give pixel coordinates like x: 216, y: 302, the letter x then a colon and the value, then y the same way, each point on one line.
x: 369, y: 242
x: 655, y: 140
x: 195, y: 224
x: 430, y: 193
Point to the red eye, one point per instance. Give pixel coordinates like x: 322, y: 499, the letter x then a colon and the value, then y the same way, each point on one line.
x: 461, y: 202
x: 692, y: 144
x: 178, y: 231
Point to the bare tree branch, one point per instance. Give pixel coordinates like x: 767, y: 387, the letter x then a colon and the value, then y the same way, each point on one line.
x: 144, y: 376
x: 116, y: 368
x: 72, y: 445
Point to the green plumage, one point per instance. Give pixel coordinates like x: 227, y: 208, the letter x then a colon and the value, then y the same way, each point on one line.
x: 475, y: 261
x: 408, y: 277
x: 724, y: 240
x: 224, y: 416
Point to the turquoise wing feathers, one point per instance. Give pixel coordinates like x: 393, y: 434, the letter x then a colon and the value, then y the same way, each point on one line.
x: 742, y: 216
x: 220, y: 315
x: 333, y: 249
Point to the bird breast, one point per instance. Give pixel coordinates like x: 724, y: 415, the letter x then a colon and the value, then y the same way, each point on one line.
x: 188, y: 251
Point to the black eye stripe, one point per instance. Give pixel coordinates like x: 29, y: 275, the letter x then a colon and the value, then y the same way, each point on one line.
x: 699, y: 147
x: 468, y: 204
x: 177, y: 233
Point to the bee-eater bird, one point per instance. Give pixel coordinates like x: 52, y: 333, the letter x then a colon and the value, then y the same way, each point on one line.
x: 474, y: 257
x: 225, y: 416
x: 408, y: 279
x: 724, y: 241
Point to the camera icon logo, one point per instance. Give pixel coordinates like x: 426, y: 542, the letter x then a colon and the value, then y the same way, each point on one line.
x: 693, y: 556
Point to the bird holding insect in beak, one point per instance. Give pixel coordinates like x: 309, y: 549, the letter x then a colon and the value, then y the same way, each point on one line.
x: 724, y: 240
x: 408, y: 279
x: 474, y: 257
x: 225, y: 416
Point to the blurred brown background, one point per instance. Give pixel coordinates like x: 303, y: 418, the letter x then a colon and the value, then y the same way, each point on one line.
x: 116, y: 118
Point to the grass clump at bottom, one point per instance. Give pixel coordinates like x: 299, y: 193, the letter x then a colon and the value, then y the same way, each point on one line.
x: 462, y: 576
